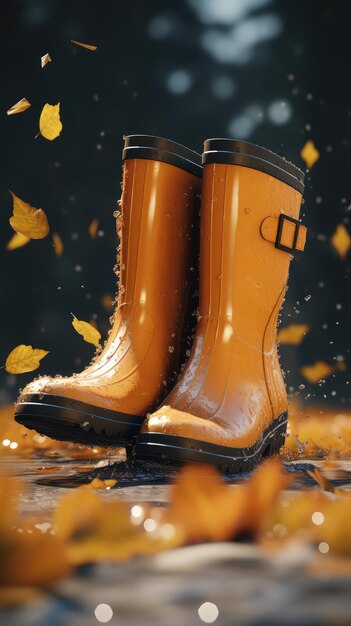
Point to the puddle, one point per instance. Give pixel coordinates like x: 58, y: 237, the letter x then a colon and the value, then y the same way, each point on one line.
x: 132, y: 474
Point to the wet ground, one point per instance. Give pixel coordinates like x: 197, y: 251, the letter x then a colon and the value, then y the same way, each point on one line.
x: 242, y: 584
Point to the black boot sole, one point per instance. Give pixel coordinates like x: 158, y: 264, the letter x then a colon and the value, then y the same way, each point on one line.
x: 65, y: 419
x: 179, y: 450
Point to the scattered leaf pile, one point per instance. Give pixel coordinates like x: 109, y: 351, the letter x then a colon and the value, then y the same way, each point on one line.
x: 37, y: 550
x: 87, y: 529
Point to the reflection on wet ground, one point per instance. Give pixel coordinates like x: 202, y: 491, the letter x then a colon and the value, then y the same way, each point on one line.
x: 44, y: 481
x: 248, y: 587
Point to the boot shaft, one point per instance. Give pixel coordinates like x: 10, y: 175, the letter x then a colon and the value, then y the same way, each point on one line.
x: 244, y: 200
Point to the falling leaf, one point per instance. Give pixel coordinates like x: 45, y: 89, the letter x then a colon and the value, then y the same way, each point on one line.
x: 50, y: 125
x: 27, y: 220
x: 84, y: 45
x: 93, y: 227
x: 58, y: 243
x: 341, y: 241
x: 309, y: 154
x: 314, y: 373
x: 45, y: 59
x: 24, y: 359
x: 88, y: 332
x: 19, y: 107
x: 17, y: 241
x: 293, y: 334
x: 107, y: 301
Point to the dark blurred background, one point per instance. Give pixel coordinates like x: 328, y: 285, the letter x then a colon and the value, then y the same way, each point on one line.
x: 276, y: 73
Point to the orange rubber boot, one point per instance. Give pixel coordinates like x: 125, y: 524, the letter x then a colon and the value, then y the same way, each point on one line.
x: 107, y: 402
x: 229, y: 407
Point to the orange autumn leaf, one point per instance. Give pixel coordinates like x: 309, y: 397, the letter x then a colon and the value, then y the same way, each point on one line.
x: 77, y: 512
x: 262, y: 490
x: 202, y: 504
x: 341, y: 240
x: 19, y: 107
x: 96, y: 530
x: 310, y: 154
x: 17, y: 241
x: 107, y: 301
x: 84, y: 45
x: 98, y: 483
x: 58, y: 243
x: 93, y: 228
x: 293, y: 334
x: 314, y: 373
x: 27, y: 220
x: 36, y: 559
x: 205, y: 508
x: 322, y: 481
x: 8, y: 503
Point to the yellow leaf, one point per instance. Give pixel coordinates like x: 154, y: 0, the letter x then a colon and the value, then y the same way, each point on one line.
x: 293, y: 334
x: 27, y: 220
x: 45, y: 59
x: 310, y: 154
x: 58, y: 243
x: 24, y: 359
x: 314, y: 373
x: 88, y: 332
x: 19, y: 107
x: 17, y: 241
x: 94, y: 225
x: 84, y: 45
x: 98, y: 483
x: 50, y: 125
x: 341, y: 241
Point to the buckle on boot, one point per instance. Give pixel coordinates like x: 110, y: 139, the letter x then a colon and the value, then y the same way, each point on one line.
x: 299, y: 237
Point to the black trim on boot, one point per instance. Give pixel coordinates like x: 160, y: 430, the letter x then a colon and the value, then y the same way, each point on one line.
x: 247, y: 154
x: 177, y: 450
x: 165, y: 150
x: 66, y: 419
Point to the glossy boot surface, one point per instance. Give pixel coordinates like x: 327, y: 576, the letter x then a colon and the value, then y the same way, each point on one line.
x: 107, y: 402
x: 229, y: 407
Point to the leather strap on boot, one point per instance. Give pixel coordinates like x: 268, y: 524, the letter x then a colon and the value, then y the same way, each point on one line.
x: 285, y: 232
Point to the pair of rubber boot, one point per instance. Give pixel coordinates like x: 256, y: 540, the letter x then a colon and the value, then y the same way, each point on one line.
x: 229, y: 405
